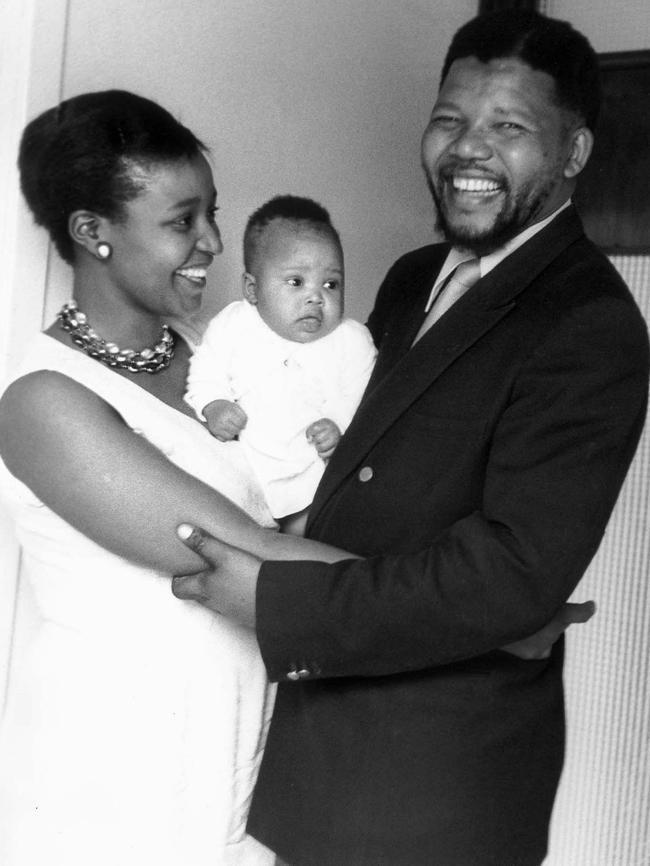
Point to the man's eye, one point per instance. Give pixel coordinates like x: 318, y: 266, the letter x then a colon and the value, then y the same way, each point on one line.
x: 444, y: 120
x: 510, y: 126
x: 183, y: 221
x: 212, y: 213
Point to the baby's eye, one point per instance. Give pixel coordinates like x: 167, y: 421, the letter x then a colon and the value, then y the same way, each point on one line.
x: 332, y: 285
x: 294, y: 281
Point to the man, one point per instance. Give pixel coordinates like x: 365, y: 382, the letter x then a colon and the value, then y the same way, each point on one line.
x: 476, y: 479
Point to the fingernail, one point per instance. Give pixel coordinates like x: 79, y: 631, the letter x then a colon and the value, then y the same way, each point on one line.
x: 184, y: 530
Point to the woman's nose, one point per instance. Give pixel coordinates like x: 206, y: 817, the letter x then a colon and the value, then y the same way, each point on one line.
x: 210, y: 240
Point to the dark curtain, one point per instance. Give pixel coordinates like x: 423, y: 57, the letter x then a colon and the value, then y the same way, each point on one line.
x: 497, y: 5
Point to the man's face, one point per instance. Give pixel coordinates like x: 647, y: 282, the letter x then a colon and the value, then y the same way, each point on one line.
x: 498, y: 152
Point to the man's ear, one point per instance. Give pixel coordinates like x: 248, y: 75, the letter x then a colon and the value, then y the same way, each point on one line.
x: 582, y: 142
x: 84, y: 229
x: 249, y: 288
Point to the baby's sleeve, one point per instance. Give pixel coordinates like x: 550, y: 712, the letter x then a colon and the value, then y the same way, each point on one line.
x: 209, y: 371
x: 356, y: 366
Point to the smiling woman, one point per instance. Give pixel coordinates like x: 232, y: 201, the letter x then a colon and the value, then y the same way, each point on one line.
x: 137, y: 714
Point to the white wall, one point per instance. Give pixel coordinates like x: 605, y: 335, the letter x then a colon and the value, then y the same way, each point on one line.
x: 325, y: 99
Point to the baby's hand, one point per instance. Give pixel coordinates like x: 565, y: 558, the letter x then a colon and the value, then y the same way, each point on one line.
x: 324, y: 435
x: 225, y: 419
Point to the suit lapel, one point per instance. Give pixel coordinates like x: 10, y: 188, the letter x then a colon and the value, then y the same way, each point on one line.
x: 402, y: 373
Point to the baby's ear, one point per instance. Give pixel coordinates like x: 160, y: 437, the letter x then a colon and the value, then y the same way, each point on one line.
x: 249, y: 288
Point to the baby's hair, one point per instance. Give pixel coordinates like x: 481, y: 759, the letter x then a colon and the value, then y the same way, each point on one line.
x: 293, y: 208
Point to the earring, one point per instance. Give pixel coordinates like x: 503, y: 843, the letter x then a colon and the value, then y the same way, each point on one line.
x: 104, y: 251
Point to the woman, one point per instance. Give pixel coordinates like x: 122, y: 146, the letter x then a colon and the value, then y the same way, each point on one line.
x: 135, y: 725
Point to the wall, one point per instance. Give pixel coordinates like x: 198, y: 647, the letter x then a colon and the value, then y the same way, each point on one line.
x: 321, y: 99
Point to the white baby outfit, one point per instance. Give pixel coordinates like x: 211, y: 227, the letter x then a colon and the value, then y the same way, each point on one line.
x: 135, y: 723
x: 283, y: 386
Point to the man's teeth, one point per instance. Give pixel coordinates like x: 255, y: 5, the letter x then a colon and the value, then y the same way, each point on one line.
x: 193, y: 273
x: 475, y: 184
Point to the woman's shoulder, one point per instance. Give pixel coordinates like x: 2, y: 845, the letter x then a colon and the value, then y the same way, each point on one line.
x: 51, y: 374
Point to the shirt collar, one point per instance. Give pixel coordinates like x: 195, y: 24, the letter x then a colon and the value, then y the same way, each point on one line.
x: 486, y: 263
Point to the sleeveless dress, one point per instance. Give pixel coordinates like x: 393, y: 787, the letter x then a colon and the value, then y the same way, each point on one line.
x: 136, y: 722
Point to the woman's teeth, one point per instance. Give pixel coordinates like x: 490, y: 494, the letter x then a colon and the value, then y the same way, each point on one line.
x: 196, y: 275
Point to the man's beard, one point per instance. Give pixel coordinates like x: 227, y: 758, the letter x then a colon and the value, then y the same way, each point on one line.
x: 518, y: 213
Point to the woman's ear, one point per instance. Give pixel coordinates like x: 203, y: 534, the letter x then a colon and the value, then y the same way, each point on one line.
x: 249, y: 288
x: 582, y: 142
x: 85, y: 229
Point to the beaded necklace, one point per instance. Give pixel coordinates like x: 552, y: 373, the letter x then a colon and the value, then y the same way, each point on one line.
x: 144, y: 361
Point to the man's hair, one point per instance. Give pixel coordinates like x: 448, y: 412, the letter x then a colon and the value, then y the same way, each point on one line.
x: 84, y: 154
x: 543, y: 43
x: 293, y: 208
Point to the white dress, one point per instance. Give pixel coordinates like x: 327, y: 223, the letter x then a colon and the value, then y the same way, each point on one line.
x: 135, y: 725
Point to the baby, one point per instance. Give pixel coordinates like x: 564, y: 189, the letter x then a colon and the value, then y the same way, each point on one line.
x: 282, y: 369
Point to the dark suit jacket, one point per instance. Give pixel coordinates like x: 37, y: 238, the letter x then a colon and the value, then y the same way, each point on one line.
x: 477, y: 479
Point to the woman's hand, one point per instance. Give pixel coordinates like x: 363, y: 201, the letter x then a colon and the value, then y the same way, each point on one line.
x: 538, y: 645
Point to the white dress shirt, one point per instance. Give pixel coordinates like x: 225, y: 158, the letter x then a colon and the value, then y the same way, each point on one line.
x: 487, y: 263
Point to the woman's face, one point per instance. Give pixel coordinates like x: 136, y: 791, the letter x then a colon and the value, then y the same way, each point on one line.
x: 166, y: 239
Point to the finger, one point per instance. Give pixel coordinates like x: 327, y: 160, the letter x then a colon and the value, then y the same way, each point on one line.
x: 192, y: 537
x: 187, y: 587
x: 573, y: 612
x: 239, y: 416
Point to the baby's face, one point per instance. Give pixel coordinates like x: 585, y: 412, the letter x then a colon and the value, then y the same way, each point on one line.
x: 298, y: 281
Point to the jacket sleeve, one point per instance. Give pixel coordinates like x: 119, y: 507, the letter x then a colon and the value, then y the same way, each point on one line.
x: 558, y: 456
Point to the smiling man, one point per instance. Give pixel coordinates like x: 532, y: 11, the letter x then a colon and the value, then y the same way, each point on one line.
x: 476, y: 481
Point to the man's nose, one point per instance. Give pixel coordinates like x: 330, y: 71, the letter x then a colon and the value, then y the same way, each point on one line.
x: 473, y: 142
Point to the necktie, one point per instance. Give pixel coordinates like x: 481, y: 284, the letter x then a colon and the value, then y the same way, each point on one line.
x: 454, y: 287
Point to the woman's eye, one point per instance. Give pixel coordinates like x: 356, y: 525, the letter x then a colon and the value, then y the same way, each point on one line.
x: 212, y: 214
x: 184, y: 221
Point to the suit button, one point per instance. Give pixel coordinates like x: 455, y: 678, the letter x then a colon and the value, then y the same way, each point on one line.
x: 366, y: 473
x: 294, y: 675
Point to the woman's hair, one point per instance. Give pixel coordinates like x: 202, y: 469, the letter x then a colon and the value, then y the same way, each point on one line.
x: 81, y: 155
x: 543, y: 43
x: 288, y: 207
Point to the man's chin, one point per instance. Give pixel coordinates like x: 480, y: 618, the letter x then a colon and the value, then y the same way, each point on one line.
x: 481, y: 240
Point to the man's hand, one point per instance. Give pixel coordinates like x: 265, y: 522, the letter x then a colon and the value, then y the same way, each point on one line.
x: 324, y: 435
x: 225, y: 419
x: 228, y: 585
x: 538, y: 645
